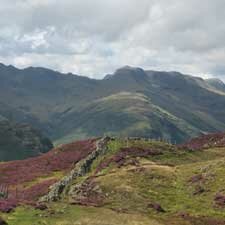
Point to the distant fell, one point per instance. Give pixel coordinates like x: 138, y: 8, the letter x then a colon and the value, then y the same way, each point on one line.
x: 65, y: 107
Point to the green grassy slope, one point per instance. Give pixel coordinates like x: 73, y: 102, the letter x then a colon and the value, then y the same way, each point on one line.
x: 167, y: 186
x: 125, y: 114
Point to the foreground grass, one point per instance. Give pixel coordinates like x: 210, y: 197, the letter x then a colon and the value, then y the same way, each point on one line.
x: 61, y: 214
x: 164, y: 179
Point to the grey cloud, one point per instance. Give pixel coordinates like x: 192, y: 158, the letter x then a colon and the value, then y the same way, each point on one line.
x: 94, y: 37
x: 187, y: 25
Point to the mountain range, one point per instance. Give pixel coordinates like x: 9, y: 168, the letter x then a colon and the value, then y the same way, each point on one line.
x: 130, y: 102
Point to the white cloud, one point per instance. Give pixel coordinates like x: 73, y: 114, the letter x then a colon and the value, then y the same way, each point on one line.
x: 95, y: 37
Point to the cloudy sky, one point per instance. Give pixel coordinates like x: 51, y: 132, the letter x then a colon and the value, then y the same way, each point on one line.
x: 95, y: 37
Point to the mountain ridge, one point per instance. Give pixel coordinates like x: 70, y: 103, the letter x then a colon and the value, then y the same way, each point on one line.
x: 60, y: 104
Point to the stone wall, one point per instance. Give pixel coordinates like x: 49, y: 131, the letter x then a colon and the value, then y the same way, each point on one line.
x: 81, y: 169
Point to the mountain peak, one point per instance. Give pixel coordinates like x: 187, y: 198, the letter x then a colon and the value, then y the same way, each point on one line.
x: 127, y: 71
x: 4, y: 66
x: 215, y: 80
x: 216, y: 83
x: 130, y: 68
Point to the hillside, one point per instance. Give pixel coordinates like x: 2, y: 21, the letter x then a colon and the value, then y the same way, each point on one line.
x: 121, y: 181
x: 130, y: 102
x: 122, y: 114
x: 20, y: 141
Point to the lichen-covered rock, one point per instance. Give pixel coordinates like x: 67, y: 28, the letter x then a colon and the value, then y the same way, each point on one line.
x: 87, y: 193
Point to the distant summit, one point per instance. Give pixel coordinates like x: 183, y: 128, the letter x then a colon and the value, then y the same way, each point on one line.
x: 216, y: 83
x: 127, y: 71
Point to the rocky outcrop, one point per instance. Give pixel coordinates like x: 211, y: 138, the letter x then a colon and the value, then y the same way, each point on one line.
x: 86, y: 193
x: 81, y: 168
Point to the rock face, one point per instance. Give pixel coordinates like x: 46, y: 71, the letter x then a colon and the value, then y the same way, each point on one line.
x: 87, y: 193
x: 20, y: 141
x: 81, y: 168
